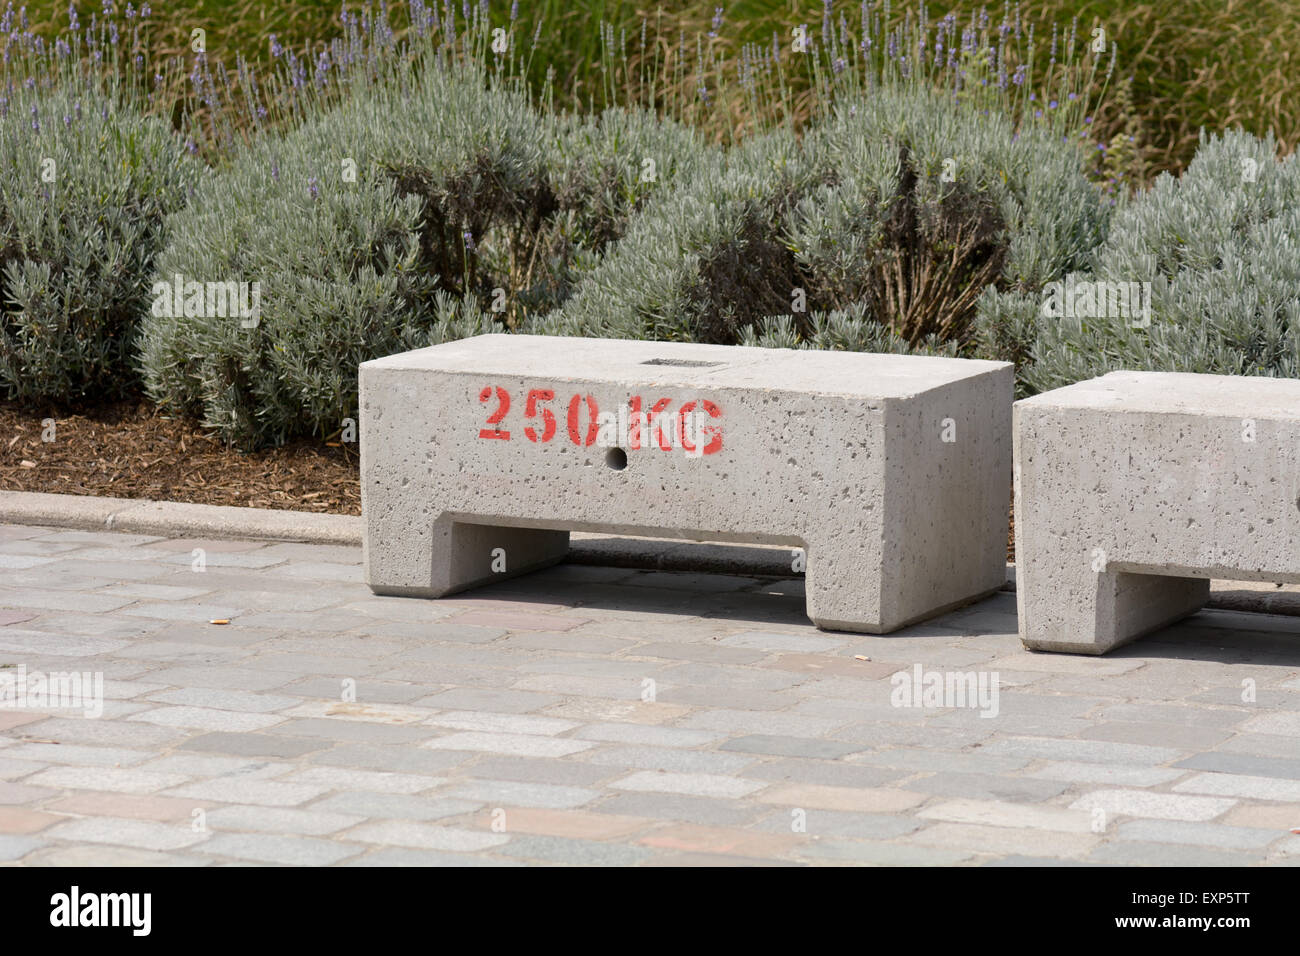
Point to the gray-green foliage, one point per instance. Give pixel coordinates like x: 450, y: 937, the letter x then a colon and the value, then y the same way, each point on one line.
x: 604, y: 170
x: 840, y: 330
x: 85, y: 184
x: 1221, y: 249
x: 450, y: 185
x: 700, y: 256
x: 899, y: 208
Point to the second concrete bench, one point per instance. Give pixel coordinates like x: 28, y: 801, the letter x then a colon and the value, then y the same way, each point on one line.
x: 1135, y: 489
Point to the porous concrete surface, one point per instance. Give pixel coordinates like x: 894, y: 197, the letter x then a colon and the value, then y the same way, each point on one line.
x: 1133, y: 490
x: 889, y: 471
x: 606, y: 716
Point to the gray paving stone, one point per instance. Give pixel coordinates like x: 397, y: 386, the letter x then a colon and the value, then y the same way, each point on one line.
x: 696, y: 784
x: 745, y: 722
x: 241, y: 790
x: 1197, y: 834
x: 1098, y: 751
x: 519, y: 745
x: 1161, y: 806
x: 17, y: 847
x: 1118, y: 774
x: 254, y: 745
x: 882, y: 854
x: 116, y: 856
x: 272, y: 820
x: 508, y: 793
x: 983, y: 786
x: 1260, y: 745
x: 407, y: 857
x: 102, y: 733
x: 1132, y: 853
x: 575, y: 852
x: 75, y: 755
x: 647, y: 735
x: 232, y: 700
x: 478, y: 698
x: 566, y: 772
x: 1035, y: 861
x: 502, y: 723
x: 1240, y: 785
x: 114, y: 779
x: 395, y: 759
x: 703, y: 653
x: 772, y: 641
x: 935, y: 761
x: 142, y: 834
x: 425, y: 836
x: 375, y: 781
x: 366, y: 689
x: 354, y: 731
x: 820, y: 824
x: 705, y: 811
x: 668, y: 758
x: 1243, y: 764
x: 283, y: 850
x: 1176, y: 736
x: 221, y: 678
x: 822, y: 773
x: 397, y: 806
x: 790, y: 746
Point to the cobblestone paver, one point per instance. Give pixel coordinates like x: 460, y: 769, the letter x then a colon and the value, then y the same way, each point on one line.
x: 601, y: 716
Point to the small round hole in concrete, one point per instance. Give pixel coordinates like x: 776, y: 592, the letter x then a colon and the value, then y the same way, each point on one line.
x: 616, y: 458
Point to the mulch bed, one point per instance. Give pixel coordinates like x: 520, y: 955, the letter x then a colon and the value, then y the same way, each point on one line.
x: 129, y: 450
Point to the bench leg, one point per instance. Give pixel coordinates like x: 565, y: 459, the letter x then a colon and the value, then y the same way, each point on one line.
x: 1082, y: 611
x: 842, y: 591
x: 457, y: 555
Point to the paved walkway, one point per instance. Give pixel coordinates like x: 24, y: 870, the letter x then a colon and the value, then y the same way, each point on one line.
x: 606, y: 716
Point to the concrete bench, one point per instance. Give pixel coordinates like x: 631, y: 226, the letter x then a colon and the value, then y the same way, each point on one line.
x: 1135, y: 489
x: 478, y: 458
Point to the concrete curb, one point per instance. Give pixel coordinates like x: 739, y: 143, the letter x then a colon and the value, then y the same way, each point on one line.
x: 180, y: 519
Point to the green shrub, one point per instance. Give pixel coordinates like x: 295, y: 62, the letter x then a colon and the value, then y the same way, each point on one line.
x: 604, y: 169
x: 1220, y: 247
x: 703, y: 259
x: 900, y: 209
x: 450, y: 188
x: 86, y: 184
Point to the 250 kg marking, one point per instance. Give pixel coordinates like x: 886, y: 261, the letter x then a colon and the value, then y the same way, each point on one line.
x: 695, y: 427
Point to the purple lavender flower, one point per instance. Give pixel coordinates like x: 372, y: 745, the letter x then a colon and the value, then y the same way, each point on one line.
x: 130, y: 11
x: 276, y: 49
x: 717, y: 22
x: 313, y: 187
x: 36, y: 121
x: 275, y: 170
x: 1018, y: 77
x: 469, y: 240
x: 73, y: 23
